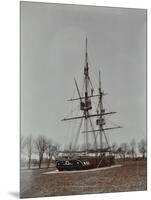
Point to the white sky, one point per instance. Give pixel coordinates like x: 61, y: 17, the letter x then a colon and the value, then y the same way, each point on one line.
x: 52, y: 54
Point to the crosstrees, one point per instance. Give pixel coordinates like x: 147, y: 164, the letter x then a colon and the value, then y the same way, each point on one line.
x: 104, y: 129
x: 92, y: 115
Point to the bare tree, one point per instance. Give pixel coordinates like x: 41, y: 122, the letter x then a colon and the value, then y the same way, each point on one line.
x: 29, y: 148
x: 49, y: 151
x: 142, y: 147
x: 115, y: 148
x: 133, y: 148
x: 41, y: 146
x: 56, y: 148
x: 124, y: 149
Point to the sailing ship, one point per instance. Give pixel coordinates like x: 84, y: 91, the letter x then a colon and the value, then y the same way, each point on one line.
x: 99, y: 153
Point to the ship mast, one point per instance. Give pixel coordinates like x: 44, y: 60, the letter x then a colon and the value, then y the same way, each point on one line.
x: 86, y: 105
x: 101, y: 109
x: 86, y: 74
x: 101, y: 121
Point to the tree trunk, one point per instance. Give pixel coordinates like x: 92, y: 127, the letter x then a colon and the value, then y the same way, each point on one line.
x: 29, y: 163
x: 123, y: 156
x: 48, y: 162
x: 40, y: 161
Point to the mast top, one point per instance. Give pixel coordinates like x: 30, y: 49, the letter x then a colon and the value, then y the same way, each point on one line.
x: 86, y: 43
x: 86, y: 59
x: 99, y: 81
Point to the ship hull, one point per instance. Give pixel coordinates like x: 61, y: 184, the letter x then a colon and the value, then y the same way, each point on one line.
x: 84, y: 163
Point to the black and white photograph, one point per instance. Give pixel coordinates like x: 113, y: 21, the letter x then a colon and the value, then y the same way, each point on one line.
x: 83, y: 94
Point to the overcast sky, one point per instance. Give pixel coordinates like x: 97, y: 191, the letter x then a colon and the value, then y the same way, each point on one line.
x: 52, y: 54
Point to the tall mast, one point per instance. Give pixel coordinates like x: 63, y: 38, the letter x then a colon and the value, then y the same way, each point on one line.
x: 101, y: 109
x: 86, y: 74
x: 86, y: 105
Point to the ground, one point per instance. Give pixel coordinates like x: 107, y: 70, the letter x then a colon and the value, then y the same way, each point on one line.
x: 131, y: 176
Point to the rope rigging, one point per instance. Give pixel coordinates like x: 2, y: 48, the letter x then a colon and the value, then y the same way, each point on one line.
x: 88, y: 100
